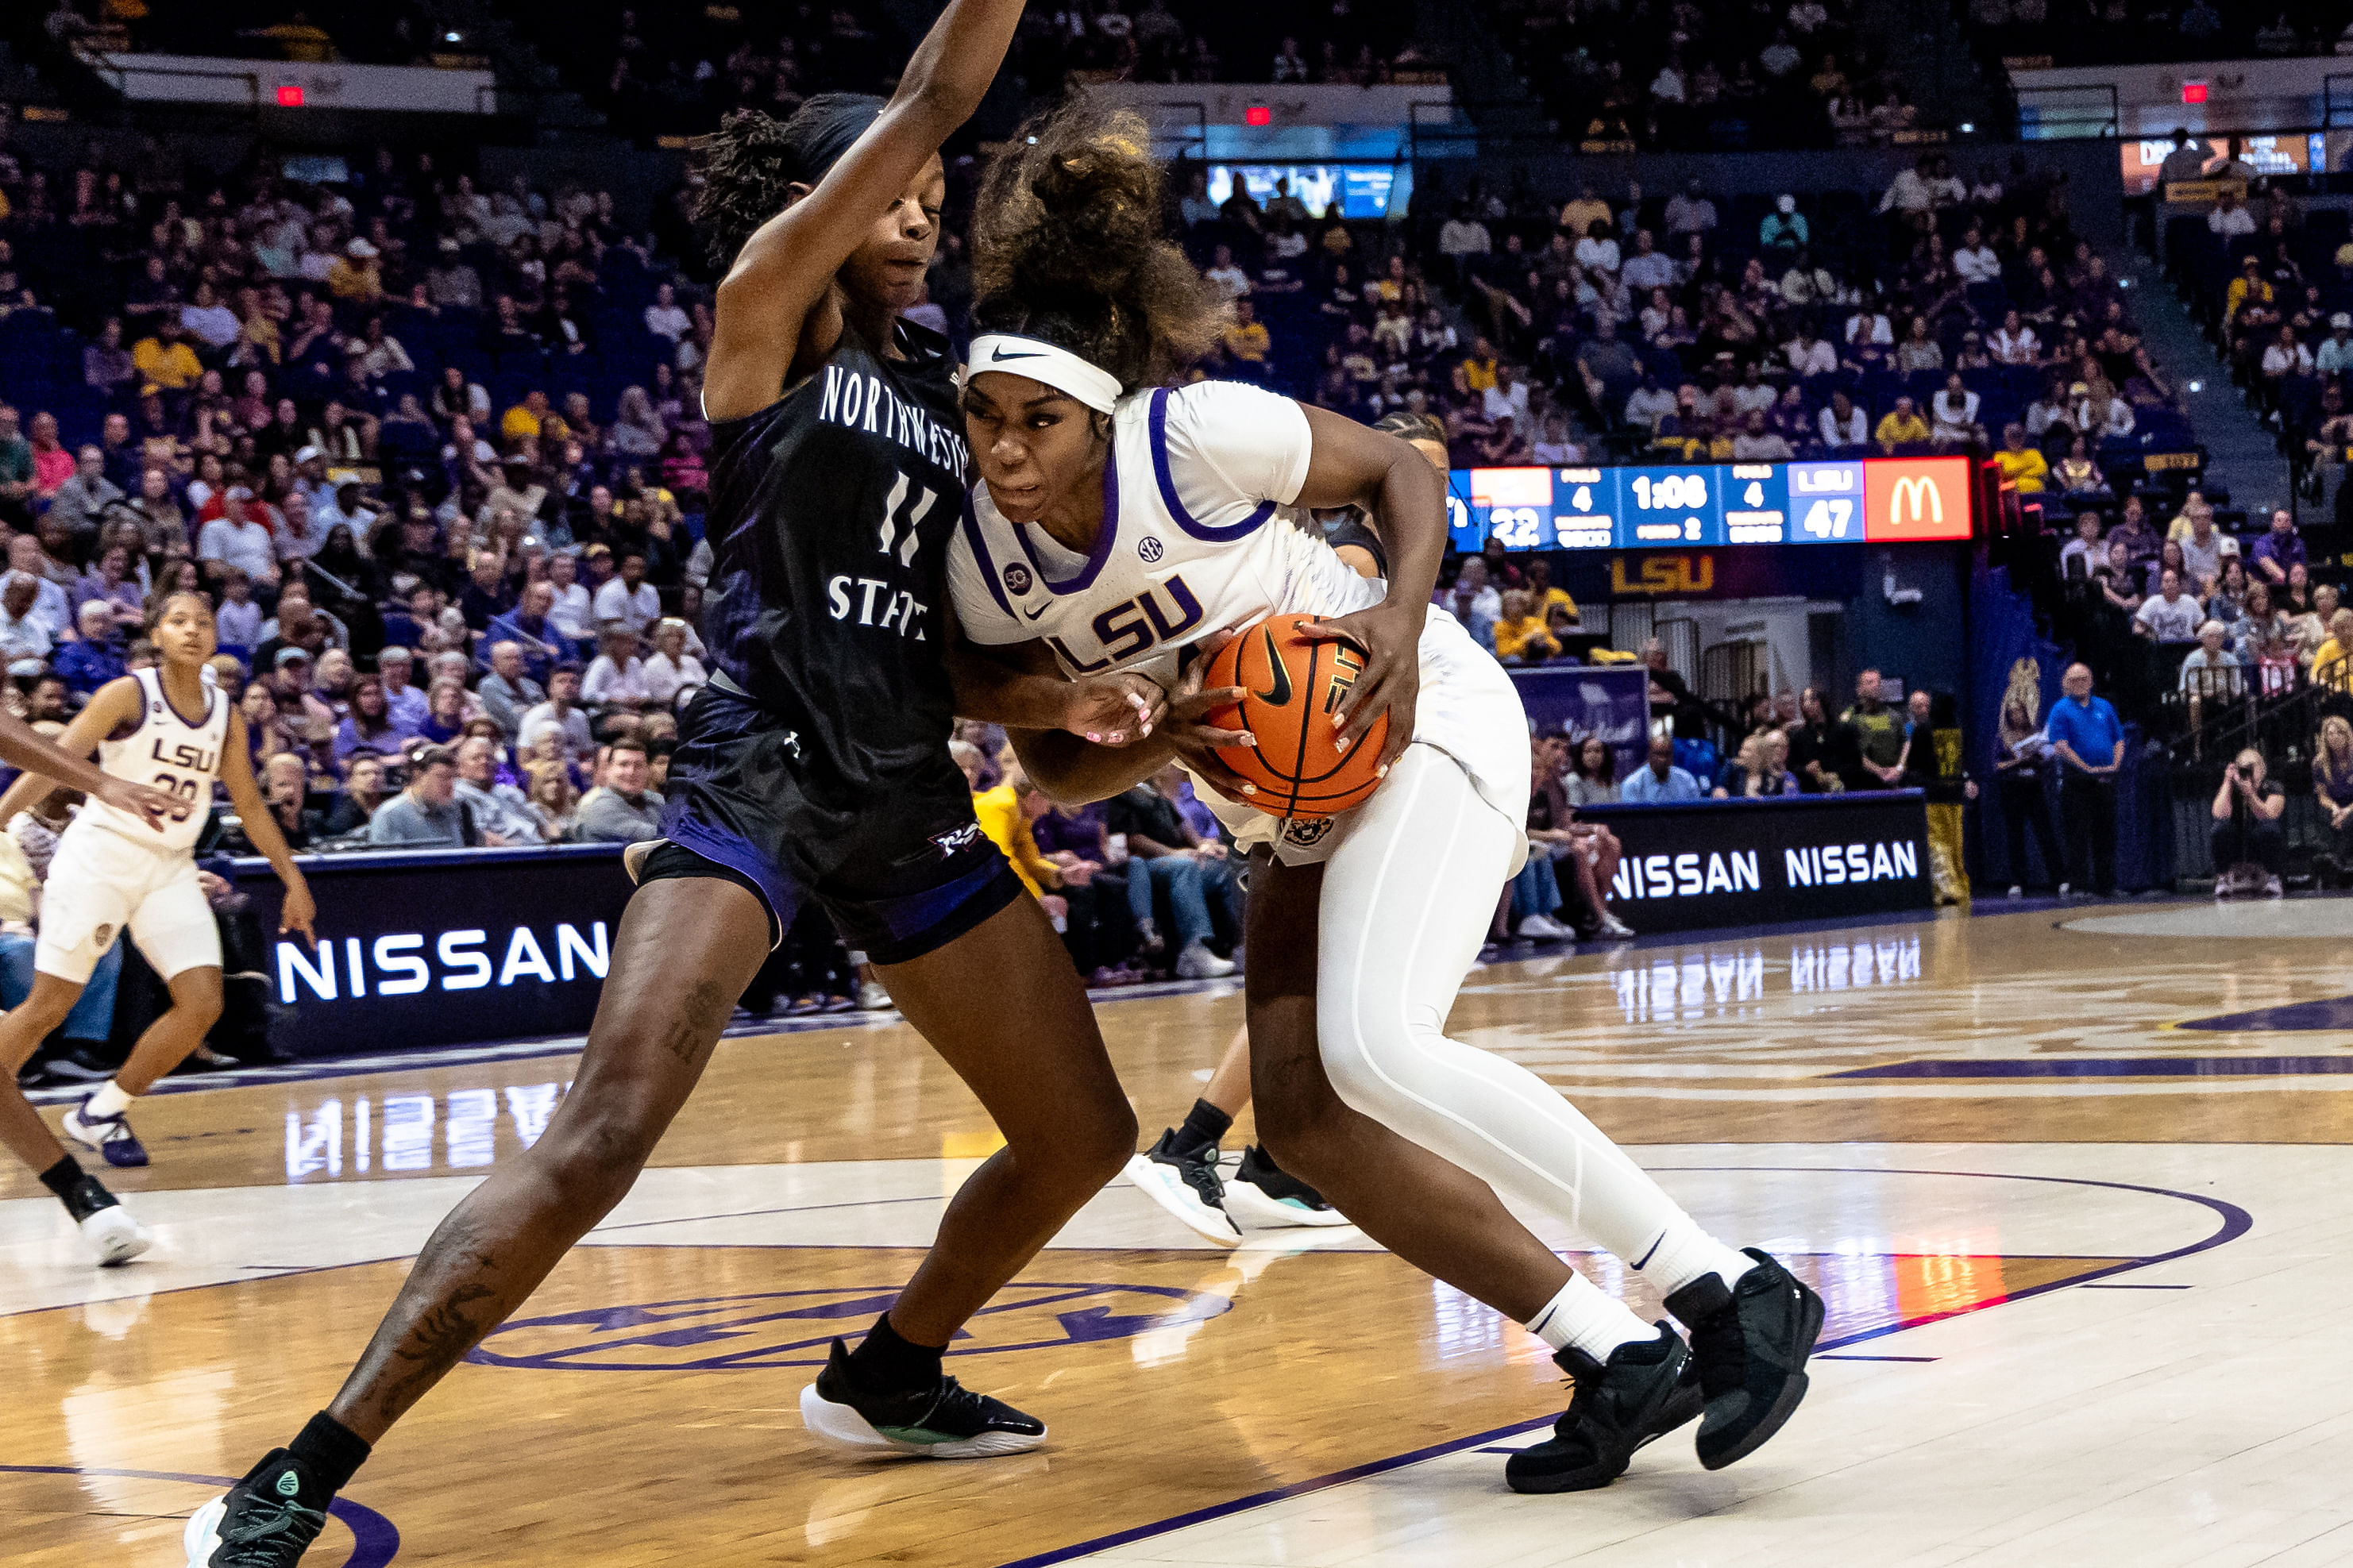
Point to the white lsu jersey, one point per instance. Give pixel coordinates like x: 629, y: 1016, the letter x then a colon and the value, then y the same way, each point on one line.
x: 168, y: 752
x: 1195, y: 541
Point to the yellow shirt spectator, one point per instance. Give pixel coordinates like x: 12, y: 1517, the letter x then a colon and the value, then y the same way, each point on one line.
x: 1556, y: 596
x: 355, y: 279
x: 1580, y: 216
x: 1899, y: 426
x: 2025, y: 469
x: 1523, y: 637
x: 1249, y: 341
x: 2328, y: 661
x: 1479, y: 374
x: 1008, y: 826
x: 171, y: 366
x: 2243, y: 289
x: 519, y: 422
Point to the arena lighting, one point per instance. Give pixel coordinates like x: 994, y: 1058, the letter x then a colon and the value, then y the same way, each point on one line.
x: 1258, y: 114
x: 2193, y: 92
x: 2197, y: 386
x: 290, y: 96
x: 1968, y: 127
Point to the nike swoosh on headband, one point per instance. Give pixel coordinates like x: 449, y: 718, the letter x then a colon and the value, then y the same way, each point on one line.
x: 999, y: 356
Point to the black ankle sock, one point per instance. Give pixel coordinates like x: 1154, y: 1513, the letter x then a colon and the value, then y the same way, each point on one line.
x: 886, y: 1362
x: 1204, y: 1125
x: 331, y: 1450
x: 61, y: 1177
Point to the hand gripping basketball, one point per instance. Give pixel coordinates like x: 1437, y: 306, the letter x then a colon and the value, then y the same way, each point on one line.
x: 1295, y: 688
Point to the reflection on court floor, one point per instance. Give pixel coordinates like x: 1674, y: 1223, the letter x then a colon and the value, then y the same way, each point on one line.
x: 2055, y: 1176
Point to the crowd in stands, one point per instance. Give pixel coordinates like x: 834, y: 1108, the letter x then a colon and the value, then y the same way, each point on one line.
x: 395, y: 32
x: 436, y: 455
x: 1704, y: 74
x: 2129, y: 32
x: 1948, y: 314
x: 2186, y: 608
x: 2273, y: 283
x: 676, y: 72
x: 1355, y: 42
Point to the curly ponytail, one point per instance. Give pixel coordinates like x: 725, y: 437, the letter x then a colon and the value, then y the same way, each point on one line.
x: 1066, y: 247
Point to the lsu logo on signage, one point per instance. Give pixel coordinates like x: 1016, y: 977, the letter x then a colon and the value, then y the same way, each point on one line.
x: 1666, y: 575
x: 1915, y: 498
x: 792, y: 1328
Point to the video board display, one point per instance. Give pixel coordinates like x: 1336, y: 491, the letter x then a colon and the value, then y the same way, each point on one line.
x: 1857, y: 500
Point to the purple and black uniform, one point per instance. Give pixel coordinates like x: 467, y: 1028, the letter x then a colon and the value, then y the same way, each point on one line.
x: 815, y: 764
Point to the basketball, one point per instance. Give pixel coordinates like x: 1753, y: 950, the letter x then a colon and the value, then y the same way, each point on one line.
x: 1292, y: 685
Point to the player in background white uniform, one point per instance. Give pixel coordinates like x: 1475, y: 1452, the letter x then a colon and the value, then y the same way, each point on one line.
x: 170, y: 729
x: 95, y: 1212
x: 1121, y: 524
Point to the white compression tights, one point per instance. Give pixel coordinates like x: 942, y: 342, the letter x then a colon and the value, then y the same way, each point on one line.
x: 1407, y: 902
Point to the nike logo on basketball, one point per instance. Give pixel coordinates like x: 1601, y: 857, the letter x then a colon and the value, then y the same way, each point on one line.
x: 1281, y: 695
x: 999, y: 356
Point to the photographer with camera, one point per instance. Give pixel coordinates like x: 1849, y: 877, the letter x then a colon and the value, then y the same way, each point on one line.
x: 2247, y: 839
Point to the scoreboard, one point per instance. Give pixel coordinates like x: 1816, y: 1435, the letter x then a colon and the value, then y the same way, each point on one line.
x: 1855, y: 501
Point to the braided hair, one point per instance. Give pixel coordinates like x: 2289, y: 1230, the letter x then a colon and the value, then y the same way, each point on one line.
x: 749, y: 165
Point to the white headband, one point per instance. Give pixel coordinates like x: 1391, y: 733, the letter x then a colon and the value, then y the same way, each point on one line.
x: 1042, y: 362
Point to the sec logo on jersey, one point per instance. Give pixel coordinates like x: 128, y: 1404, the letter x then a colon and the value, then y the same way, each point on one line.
x: 1149, y: 548
x: 1016, y: 578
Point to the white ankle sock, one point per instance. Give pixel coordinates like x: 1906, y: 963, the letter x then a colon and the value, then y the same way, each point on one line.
x: 108, y: 1100
x: 1684, y: 1252
x: 1584, y: 1316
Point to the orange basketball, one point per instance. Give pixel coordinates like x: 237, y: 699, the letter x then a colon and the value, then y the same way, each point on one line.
x: 1292, y: 685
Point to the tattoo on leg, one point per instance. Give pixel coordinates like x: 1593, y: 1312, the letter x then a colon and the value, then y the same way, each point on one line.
x: 688, y: 1038
x: 438, y: 1340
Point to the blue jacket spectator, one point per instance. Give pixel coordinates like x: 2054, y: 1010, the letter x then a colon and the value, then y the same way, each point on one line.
x: 2088, y: 727
x: 93, y: 660
x: 526, y: 626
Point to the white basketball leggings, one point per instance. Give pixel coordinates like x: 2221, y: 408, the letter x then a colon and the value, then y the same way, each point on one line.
x: 1408, y: 898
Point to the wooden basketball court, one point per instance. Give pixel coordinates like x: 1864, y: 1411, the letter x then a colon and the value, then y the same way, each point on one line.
x: 2070, y: 1179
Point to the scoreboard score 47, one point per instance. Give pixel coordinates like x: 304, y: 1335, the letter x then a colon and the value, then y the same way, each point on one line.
x: 1860, y: 500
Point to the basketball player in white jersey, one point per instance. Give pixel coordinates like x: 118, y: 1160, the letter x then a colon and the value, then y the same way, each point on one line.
x: 1180, y: 1170
x: 172, y: 729
x: 1122, y: 527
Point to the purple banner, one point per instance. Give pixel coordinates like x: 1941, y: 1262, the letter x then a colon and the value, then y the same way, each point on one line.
x: 1612, y: 702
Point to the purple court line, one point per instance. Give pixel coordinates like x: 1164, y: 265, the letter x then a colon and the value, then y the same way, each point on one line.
x: 2236, y: 1222
x: 2103, y: 1067
x: 2136, y: 1287
x: 375, y: 1539
x: 1912, y: 1358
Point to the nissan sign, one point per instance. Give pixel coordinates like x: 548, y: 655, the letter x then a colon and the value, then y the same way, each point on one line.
x: 1702, y: 864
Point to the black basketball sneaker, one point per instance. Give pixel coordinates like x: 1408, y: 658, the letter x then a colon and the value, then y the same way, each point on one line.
x: 1642, y: 1392
x: 1263, y: 1195
x: 944, y: 1421
x: 1750, y: 1342
x: 266, y: 1521
x: 1185, y: 1183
